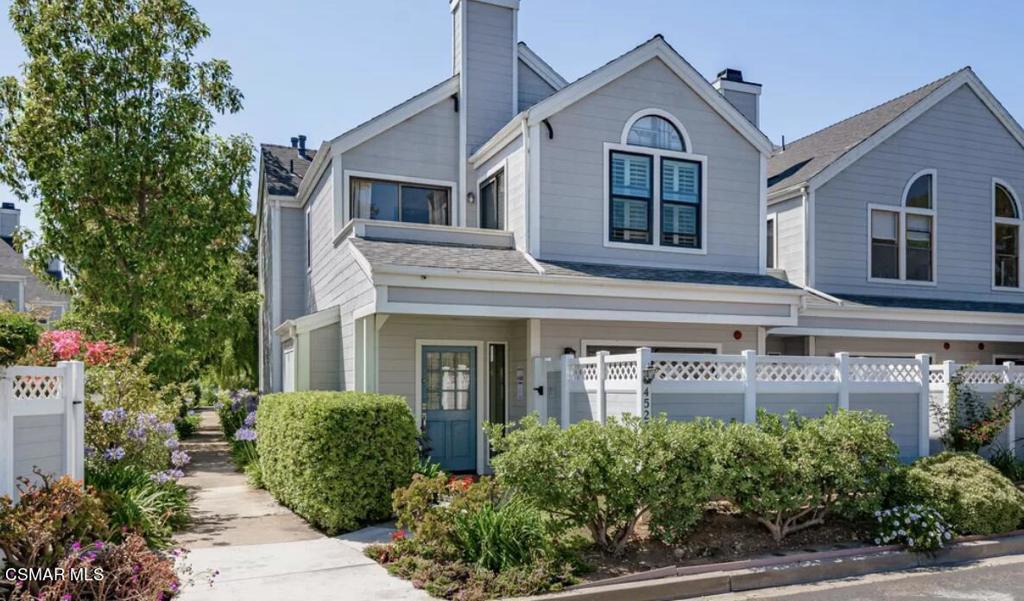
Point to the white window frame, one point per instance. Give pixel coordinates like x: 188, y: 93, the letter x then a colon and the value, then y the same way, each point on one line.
x: 648, y: 112
x: 1019, y: 222
x: 500, y: 166
x: 656, y: 154
x: 586, y: 343
x: 902, y: 210
x: 773, y: 220
x: 346, y: 194
x: 309, y: 238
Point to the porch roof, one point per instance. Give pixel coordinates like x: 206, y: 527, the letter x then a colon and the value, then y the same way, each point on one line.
x: 382, y: 253
x: 900, y: 302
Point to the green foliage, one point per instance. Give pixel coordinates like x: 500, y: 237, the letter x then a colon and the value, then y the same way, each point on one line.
x: 39, y: 531
x: 503, y: 536
x: 793, y: 474
x: 426, y: 468
x: 967, y: 421
x: 127, y: 382
x: 919, y: 528
x: 1005, y: 460
x: 429, y: 508
x: 18, y: 333
x: 136, y: 502
x: 969, y: 493
x: 110, y: 130
x: 335, y: 457
x: 607, y: 478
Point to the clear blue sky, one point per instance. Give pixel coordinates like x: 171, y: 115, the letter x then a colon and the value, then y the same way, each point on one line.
x: 319, y: 68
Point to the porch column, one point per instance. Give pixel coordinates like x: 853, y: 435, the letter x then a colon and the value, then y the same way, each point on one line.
x: 366, y: 329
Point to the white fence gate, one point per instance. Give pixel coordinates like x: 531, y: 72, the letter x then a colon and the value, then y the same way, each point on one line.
x: 42, y: 422
x: 734, y: 387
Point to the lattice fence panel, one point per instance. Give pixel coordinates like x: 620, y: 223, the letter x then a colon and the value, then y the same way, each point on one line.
x: 36, y: 387
x: 783, y: 371
x: 884, y: 371
x: 699, y: 371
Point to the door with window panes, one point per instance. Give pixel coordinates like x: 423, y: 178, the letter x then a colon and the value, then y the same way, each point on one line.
x: 449, y: 405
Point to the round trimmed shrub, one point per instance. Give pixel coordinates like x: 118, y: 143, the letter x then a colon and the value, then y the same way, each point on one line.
x: 969, y: 493
x: 335, y: 457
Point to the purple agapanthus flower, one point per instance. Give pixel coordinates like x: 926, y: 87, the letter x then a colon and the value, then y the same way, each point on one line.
x: 245, y: 434
x: 250, y: 419
x: 171, y: 443
x: 114, y: 454
x: 166, y: 428
x: 89, y: 451
x: 146, y: 420
x: 180, y: 458
x: 113, y: 416
x: 161, y: 477
x: 137, y: 433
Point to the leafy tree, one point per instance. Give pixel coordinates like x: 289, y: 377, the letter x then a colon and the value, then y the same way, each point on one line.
x: 109, y: 128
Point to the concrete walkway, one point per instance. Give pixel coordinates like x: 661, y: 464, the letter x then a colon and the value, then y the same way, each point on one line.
x: 261, y: 549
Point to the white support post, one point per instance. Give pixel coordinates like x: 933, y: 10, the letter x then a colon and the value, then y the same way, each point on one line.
x: 538, y: 399
x: 749, y: 386
x: 74, y: 417
x: 923, y: 406
x: 843, y: 367
x: 1011, y: 429
x: 602, y: 397
x: 566, y: 392
x: 643, y: 388
x: 6, y: 438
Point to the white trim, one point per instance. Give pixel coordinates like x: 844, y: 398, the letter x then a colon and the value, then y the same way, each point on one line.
x: 505, y: 136
x: 339, y: 210
x: 901, y: 242
x: 856, y: 333
x: 501, y: 166
x: 964, y: 77
x: 762, y: 219
x: 276, y: 361
x: 907, y: 314
x: 656, y: 155
x: 654, y: 48
x: 533, y: 191
x: 481, y: 370
x: 540, y: 67
x: 513, y: 4
x: 624, y: 137
x: 487, y: 375
x: 635, y: 344
x: 309, y: 238
x: 401, y: 179
x: 737, y: 86
x: 812, y: 240
x: 773, y: 219
x: 515, y: 59
x: 533, y: 262
x: 459, y: 202
x: 1019, y: 223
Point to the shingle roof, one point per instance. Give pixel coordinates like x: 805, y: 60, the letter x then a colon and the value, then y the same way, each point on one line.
x: 808, y: 156
x: 929, y: 303
x: 284, y: 168
x: 508, y: 260
x: 447, y: 256
x: 658, y: 274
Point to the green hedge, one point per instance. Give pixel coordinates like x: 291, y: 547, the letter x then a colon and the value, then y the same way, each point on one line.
x: 335, y: 457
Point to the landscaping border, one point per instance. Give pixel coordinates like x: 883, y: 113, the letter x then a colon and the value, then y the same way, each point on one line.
x: 680, y: 582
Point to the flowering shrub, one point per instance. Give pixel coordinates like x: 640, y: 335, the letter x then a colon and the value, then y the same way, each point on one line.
x: 117, y: 435
x: 18, y: 333
x: 131, y: 571
x: 41, y: 528
x: 920, y: 528
x: 68, y: 345
x: 234, y: 408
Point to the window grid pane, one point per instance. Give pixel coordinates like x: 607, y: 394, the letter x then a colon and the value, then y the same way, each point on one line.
x: 919, y: 248
x: 680, y: 203
x: 920, y: 193
x: 1007, y: 255
x: 884, y: 245
x: 1005, y: 205
x: 655, y: 132
x: 632, y: 187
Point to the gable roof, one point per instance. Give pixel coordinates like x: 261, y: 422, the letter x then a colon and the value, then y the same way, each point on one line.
x: 283, y: 168
x: 541, y: 67
x: 658, y: 48
x: 816, y: 158
x: 12, y: 263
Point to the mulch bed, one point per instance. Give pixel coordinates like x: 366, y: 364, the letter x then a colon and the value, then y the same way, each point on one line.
x: 722, y: 536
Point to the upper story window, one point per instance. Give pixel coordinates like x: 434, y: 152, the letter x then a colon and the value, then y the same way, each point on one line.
x: 399, y: 201
x: 902, y: 238
x: 771, y: 241
x: 655, y: 189
x: 1006, y: 232
x: 492, y: 201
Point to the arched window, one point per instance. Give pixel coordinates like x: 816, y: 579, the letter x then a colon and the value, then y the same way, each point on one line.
x: 654, y: 131
x: 1006, y: 237
x: 653, y: 158
x: 903, y: 238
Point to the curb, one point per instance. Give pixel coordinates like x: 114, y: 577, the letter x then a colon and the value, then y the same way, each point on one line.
x: 714, y: 579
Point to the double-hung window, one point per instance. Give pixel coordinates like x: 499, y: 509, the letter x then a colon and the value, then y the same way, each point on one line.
x: 902, y: 238
x: 655, y: 188
x: 492, y: 202
x: 1006, y: 238
x: 399, y: 201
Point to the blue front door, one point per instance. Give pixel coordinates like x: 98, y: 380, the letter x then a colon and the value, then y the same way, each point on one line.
x: 449, y: 405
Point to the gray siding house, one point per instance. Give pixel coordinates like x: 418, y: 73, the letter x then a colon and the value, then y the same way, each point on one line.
x: 439, y: 250
x: 21, y: 289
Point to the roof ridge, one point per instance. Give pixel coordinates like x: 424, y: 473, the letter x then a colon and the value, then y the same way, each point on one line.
x: 880, y: 105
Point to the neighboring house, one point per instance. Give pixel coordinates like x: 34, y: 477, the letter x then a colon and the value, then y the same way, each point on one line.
x: 19, y: 287
x: 504, y: 215
x: 907, y: 219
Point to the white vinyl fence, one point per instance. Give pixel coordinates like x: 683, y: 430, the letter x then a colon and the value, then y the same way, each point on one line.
x: 42, y: 422
x: 734, y: 387
x: 987, y: 381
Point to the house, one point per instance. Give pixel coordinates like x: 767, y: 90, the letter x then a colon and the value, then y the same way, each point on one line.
x: 442, y: 249
x: 19, y: 287
x: 904, y: 223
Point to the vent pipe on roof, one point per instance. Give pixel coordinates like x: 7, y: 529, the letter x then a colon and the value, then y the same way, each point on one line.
x: 295, y: 142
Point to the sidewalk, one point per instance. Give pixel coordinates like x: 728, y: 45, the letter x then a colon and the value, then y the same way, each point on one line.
x: 261, y: 549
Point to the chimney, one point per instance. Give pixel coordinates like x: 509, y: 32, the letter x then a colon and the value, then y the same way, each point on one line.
x: 302, y: 145
x: 743, y: 95
x: 295, y: 142
x: 10, y: 220
x: 55, y: 268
